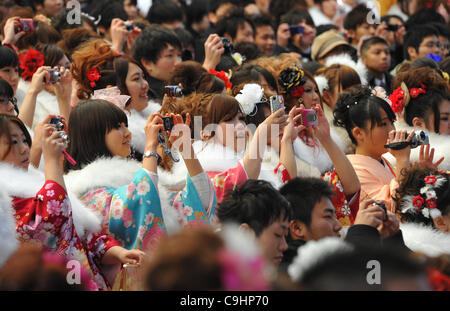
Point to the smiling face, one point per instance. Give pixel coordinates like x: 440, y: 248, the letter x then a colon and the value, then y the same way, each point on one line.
x: 272, y: 241
x: 232, y: 133
x: 118, y: 141
x: 19, y: 150
x: 311, y: 94
x: 137, y: 87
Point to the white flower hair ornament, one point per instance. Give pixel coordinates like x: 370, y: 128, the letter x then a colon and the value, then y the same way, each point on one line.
x: 322, y: 83
x: 248, y: 97
x: 426, y: 201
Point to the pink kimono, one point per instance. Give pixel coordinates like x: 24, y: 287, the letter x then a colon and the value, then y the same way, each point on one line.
x: 377, y: 180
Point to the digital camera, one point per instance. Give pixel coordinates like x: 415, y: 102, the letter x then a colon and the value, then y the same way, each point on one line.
x: 309, y: 117
x: 25, y: 24
x: 60, y: 128
x: 129, y: 26
x: 392, y: 27
x: 227, y: 45
x: 296, y: 29
x: 419, y: 138
x: 383, y: 206
x: 276, y: 103
x: 174, y: 91
x: 168, y: 123
x: 55, y: 76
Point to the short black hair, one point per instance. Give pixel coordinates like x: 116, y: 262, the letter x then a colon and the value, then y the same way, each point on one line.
x: 356, y: 17
x: 8, y: 57
x: 107, y: 10
x: 304, y: 193
x: 324, y: 28
x: 262, y: 20
x: 442, y: 29
x: 358, y: 106
x: 196, y: 11
x: 298, y: 16
x: 230, y: 23
x: 249, y: 50
x: 424, y: 16
x: 371, y: 41
x: 387, y: 18
x: 152, y: 41
x: 414, y: 37
x: 256, y: 203
x: 166, y: 11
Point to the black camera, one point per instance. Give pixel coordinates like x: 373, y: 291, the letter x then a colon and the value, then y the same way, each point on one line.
x: 227, y: 45
x: 383, y: 206
x: 174, y: 91
x: 168, y: 123
x: 392, y: 27
x: 129, y: 26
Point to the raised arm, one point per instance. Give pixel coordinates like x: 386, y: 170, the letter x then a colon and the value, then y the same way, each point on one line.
x: 52, y: 147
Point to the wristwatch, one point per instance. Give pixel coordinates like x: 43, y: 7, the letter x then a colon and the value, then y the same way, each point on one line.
x: 148, y: 154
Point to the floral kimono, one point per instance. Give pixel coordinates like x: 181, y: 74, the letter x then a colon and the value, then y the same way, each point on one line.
x: 44, y: 215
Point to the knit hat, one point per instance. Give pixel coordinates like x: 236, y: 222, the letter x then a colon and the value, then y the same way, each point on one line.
x: 325, y: 43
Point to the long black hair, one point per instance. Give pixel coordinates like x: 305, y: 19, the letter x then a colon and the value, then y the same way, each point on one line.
x: 8, y: 57
x: 7, y: 91
x: 358, y: 106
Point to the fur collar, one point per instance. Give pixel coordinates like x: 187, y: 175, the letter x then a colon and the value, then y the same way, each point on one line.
x: 17, y: 182
x: 441, y: 144
x: 345, y: 59
x: 8, y: 236
x: 216, y: 158
x: 427, y: 240
x: 347, y: 146
x: 316, y: 156
x: 136, y: 124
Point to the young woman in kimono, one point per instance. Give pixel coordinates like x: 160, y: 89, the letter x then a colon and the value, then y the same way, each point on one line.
x: 369, y: 121
x: 42, y: 209
x: 124, y: 192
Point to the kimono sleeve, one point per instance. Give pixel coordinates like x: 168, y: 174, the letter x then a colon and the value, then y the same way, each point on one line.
x: 136, y: 213
x: 227, y: 181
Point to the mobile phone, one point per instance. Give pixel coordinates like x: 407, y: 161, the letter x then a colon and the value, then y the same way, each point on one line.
x: 296, y: 29
x: 276, y: 103
x: 168, y: 123
x: 25, y: 24
x: 309, y: 117
x: 173, y: 91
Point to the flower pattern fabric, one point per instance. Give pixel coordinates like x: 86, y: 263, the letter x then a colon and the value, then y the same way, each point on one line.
x: 47, y: 219
x: 130, y: 213
x: 224, y: 182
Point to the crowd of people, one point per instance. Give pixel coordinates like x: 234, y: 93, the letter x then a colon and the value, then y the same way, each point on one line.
x: 224, y: 145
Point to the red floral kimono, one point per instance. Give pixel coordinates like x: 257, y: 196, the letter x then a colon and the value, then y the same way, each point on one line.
x: 47, y: 220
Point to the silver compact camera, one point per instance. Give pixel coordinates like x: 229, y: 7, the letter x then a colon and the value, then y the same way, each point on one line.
x: 419, y: 138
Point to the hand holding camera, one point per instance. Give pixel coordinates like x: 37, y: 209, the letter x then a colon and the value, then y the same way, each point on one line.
x: 15, y: 28
x: 214, y: 49
x: 152, y: 128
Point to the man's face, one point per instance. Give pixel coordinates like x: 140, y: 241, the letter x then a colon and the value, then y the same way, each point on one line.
x: 244, y: 33
x: 445, y: 46
x: 396, y: 36
x: 429, y: 45
x: 363, y: 30
x: 265, y: 39
x: 272, y: 241
x: 377, y: 58
x: 323, y: 221
x: 168, y: 58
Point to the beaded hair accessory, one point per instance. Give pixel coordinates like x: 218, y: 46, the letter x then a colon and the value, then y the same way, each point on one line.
x: 291, y: 81
x: 425, y: 202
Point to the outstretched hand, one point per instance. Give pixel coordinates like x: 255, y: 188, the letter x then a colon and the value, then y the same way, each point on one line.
x: 426, y: 157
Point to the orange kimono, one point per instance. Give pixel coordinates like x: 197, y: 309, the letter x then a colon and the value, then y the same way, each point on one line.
x: 377, y: 180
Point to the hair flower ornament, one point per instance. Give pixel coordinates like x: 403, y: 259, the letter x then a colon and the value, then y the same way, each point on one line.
x: 112, y: 94
x: 222, y: 75
x: 426, y: 201
x: 93, y: 75
x: 291, y: 81
x: 29, y: 62
x: 248, y: 97
x: 238, y: 58
x: 401, y: 96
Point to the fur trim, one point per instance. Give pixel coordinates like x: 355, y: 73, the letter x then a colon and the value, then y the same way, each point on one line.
x: 441, y: 144
x: 322, y: 83
x: 313, y: 252
x: 420, y: 238
x: 25, y: 184
x: 136, y: 124
x: 316, y: 156
x: 240, y: 241
x: 339, y: 134
x: 8, y: 236
x: 216, y: 158
x: 117, y: 172
x: 345, y: 59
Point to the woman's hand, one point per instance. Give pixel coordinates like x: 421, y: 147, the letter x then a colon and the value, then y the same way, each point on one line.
x: 278, y: 120
x: 131, y: 37
x: 63, y: 88
x: 322, y: 131
x: 213, y: 51
x: 119, y: 34
x: 152, y: 128
x: 10, y: 35
x: 40, y: 78
x: 426, y: 158
x: 397, y: 137
x: 120, y: 255
x: 291, y: 130
x: 52, y: 145
x: 180, y: 136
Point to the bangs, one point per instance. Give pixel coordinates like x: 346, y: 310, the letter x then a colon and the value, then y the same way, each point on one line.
x: 8, y: 57
x: 374, y: 111
x: 113, y: 116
